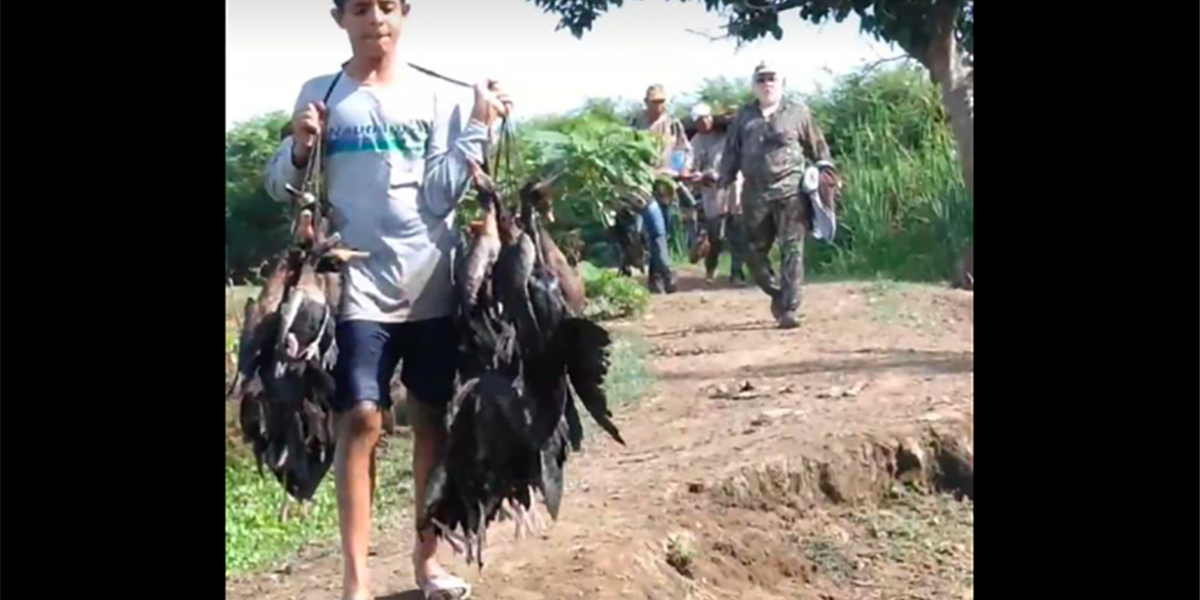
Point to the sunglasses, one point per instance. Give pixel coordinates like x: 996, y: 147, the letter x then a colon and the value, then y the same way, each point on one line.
x: 764, y: 78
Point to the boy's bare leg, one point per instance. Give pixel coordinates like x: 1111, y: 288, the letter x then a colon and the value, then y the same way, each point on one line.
x: 358, y: 434
x: 429, y: 434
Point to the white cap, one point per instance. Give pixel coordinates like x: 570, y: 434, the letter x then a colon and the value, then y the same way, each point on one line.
x: 700, y: 111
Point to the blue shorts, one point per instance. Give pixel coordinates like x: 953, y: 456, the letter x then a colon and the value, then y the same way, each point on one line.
x: 368, y: 353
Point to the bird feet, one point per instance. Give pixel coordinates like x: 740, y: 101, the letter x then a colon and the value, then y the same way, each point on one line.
x: 528, y: 521
x: 330, y: 359
x: 456, y: 541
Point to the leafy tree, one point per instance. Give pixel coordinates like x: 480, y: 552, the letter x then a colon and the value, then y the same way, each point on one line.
x: 256, y: 226
x: 598, y: 160
x: 725, y: 94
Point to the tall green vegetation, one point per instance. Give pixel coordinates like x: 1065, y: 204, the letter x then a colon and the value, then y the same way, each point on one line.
x: 724, y: 94
x: 596, y: 161
x: 599, y: 161
x: 905, y: 212
x: 256, y: 537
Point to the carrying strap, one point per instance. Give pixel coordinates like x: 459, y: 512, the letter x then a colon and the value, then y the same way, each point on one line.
x: 432, y: 73
x: 314, y: 166
x: 312, y: 182
x: 317, y: 163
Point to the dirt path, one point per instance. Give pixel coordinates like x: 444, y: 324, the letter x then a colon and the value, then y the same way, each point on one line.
x: 764, y: 464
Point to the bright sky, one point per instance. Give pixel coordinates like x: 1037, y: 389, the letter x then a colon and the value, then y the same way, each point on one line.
x: 274, y: 46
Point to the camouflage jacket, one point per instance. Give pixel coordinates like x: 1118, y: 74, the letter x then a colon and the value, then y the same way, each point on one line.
x: 772, y: 153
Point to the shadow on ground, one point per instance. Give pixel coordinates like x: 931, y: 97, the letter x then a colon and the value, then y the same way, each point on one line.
x: 686, y: 282
x: 935, y: 362
x: 760, y: 325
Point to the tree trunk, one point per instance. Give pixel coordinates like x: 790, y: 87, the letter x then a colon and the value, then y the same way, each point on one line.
x: 956, y: 95
x: 945, y: 66
x: 940, y: 55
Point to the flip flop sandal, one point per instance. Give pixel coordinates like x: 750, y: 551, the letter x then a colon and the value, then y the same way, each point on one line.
x: 446, y: 587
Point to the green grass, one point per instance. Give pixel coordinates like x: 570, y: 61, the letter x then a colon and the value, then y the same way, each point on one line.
x: 235, y: 305
x: 889, y: 305
x: 256, y: 539
x: 830, y: 556
x: 611, y: 296
x: 936, y: 531
x: 628, y: 378
x: 235, y: 300
x: 916, y: 523
x: 930, y: 538
x: 682, y: 553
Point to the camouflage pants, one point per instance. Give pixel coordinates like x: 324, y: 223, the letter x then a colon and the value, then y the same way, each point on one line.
x: 766, y: 222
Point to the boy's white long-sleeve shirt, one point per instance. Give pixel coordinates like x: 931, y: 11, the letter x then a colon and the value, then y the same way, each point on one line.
x: 397, y: 165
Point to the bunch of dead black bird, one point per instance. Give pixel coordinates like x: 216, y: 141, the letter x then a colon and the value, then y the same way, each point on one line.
x: 287, y: 352
x: 527, y: 354
x: 288, y: 348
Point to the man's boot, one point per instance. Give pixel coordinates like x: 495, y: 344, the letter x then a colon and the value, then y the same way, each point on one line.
x: 788, y: 320
x: 654, y: 283
x: 669, y: 282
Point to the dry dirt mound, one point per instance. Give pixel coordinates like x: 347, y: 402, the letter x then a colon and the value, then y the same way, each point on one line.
x: 833, y: 461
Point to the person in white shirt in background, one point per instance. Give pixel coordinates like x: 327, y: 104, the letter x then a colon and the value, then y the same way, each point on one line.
x: 722, y: 204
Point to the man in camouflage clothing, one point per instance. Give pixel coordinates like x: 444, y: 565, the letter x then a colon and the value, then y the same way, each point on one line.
x: 771, y: 141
